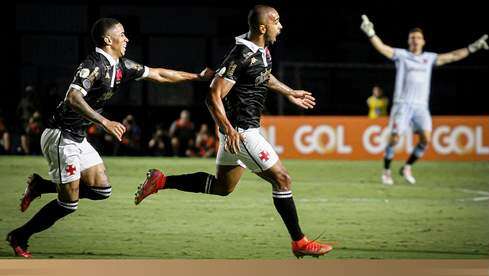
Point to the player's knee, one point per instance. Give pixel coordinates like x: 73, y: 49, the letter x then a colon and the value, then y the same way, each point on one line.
x: 426, y: 140
x: 394, y: 139
x: 284, y: 181
x: 224, y: 191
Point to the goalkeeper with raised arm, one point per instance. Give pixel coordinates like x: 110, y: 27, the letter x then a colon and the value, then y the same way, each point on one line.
x: 412, y: 89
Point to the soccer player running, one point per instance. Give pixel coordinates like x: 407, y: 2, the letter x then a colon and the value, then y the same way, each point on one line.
x: 412, y: 89
x: 236, y: 100
x: 75, y: 167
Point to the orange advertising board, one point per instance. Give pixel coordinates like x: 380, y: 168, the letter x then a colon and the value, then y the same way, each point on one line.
x: 360, y: 138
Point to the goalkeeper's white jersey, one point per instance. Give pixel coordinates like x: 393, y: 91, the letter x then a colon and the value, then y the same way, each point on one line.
x: 413, y: 76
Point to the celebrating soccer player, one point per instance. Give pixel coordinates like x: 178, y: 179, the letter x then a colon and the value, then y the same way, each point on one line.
x: 236, y: 100
x: 75, y: 167
x: 412, y: 91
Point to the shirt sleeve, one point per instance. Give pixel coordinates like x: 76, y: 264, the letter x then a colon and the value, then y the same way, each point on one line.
x: 432, y: 57
x: 133, y: 70
x: 232, y: 66
x: 86, y: 75
x: 399, y: 54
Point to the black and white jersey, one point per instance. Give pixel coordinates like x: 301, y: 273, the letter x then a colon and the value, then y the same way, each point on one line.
x: 248, y: 66
x: 98, y: 77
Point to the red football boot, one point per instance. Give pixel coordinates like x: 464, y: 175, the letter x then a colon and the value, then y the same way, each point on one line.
x: 30, y: 192
x: 155, y: 180
x: 19, y: 247
x: 305, y: 247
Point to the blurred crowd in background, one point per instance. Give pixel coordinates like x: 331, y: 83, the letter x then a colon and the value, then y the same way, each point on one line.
x: 182, y: 138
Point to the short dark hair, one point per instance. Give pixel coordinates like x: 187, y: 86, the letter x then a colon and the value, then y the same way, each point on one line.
x: 416, y: 30
x: 100, y: 28
x: 256, y: 16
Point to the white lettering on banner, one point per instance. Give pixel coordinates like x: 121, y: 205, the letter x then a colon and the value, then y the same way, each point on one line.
x: 479, y: 139
x: 308, y: 139
x: 270, y: 135
x: 447, y: 140
x: 375, y: 145
x: 375, y: 138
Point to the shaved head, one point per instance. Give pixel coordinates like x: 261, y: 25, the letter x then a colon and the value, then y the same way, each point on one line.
x: 259, y: 15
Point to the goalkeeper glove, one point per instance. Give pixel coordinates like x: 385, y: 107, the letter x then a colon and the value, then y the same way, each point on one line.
x: 367, y: 26
x: 480, y: 43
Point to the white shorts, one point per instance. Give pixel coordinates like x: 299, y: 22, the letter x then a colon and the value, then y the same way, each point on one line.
x: 256, y: 153
x: 404, y: 116
x: 67, y: 158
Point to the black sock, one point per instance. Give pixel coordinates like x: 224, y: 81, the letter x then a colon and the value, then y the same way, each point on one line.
x: 387, y: 163
x: 417, y: 153
x: 412, y: 158
x: 45, y: 186
x: 199, y: 182
x: 284, y: 203
x: 95, y: 193
x: 45, y: 218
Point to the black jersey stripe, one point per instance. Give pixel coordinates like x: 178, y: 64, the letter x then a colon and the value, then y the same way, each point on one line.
x: 251, y: 156
x: 59, y: 161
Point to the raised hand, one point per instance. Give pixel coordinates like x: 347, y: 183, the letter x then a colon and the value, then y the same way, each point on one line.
x: 114, y: 128
x: 206, y: 74
x: 303, y: 99
x: 233, y: 139
x: 367, y: 26
x: 480, y: 43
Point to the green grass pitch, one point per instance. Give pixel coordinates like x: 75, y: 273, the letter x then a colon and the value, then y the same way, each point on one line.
x: 444, y: 216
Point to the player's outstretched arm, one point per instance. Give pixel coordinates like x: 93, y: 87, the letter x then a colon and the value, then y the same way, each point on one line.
x: 368, y: 28
x: 459, y: 54
x: 301, y: 98
x: 220, y: 87
x: 75, y: 100
x: 163, y: 75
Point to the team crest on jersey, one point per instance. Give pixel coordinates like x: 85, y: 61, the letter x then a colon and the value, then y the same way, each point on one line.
x: 83, y: 73
x: 118, y: 75
x: 88, y: 81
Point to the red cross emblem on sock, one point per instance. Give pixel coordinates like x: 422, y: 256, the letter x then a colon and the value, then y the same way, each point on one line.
x: 70, y: 169
x: 264, y: 155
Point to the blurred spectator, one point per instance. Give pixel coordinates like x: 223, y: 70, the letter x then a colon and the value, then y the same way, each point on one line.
x: 157, y: 144
x: 377, y: 103
x: 5, y: 142
x: 50, y: 98
x: 131, y: 140
x: 27, y: 105
x: 182, y: 134
x: 31, y: 138
x: 205, y: 143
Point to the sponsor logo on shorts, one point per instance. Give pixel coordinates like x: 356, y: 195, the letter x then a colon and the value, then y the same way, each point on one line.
x: 70, y: 169
x: 264, y: 155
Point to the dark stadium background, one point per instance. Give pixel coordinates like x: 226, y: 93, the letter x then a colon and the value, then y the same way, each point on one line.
x: 321, y: 49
